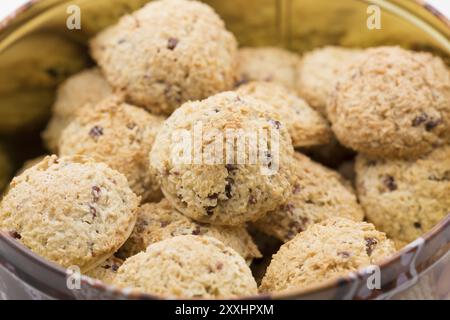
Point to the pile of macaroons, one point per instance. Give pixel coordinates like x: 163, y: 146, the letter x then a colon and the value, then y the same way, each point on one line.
x: 362, y: 135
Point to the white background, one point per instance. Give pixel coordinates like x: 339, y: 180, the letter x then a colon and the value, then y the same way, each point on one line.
x: 6, y: 6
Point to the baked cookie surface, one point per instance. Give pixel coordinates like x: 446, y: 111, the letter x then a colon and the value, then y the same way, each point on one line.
x: 319, y: 71
x: 160, y: 221
x: 87, y: 86
x: 393, y: 103
x: 215, y: 181
x: 318, y: 194
x: 120, y: 135
x: 405, y: 198
x: 325, y: 251
x: 188, y: 267
x: 80, y: 212
x: 268, y: 64
x: 306, y: 126
x: 167, y: 53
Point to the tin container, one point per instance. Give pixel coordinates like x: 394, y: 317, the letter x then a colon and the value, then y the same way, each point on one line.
x: 40, y: 46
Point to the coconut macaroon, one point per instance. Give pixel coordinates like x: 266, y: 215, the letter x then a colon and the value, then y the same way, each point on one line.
x: 107, y: 271
x: 306, y: 126
x: 318, y: 194
x: 120, y: 135
x: 80, y: 211
x: 166, y: 53
x: 188, y: 267
x: 393, y: 103
x: 319, y: 71
x: 225, y: 160
x: 87, y: 86
x: 325, y: 251
x: 160, y: 221
x: 405, y: 198
x: 269, y: 64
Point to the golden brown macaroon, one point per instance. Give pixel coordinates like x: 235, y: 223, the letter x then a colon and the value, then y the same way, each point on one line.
x: 393, y: 103
x: 318, y: 194
x: 270, y: 64
x: 160, y: 221
x: 306, y: 126
x: 188, y: 267
x: 325, y: 251
x: 70, y: 210
x: 319, y: 71
x: 405, y: 198
x: 120, y: 135
x: 87, y: 86
x: 167, y: 53
x: 214, y: 180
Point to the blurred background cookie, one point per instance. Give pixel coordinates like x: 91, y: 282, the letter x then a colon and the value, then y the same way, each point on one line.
x: 306, y: 126
x: 270, y: 64
x: 87, y: 86
x: 319, y: 71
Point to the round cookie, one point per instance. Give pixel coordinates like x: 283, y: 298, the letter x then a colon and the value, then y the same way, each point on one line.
x: 319, y: 71
x: 167, y: 53
x: 119, y: 135
x: 318, y: 194
x: 80, y: 212
x: 221, y: 177
x: 107, y: 271
x: 393, y: 103
x: 405, y: 198
x: 87, y: 86
x: 270, y: 64
x: 160, y: 221
x: 306, y: 126
x: 325, y: 251
x: 188, y: 267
